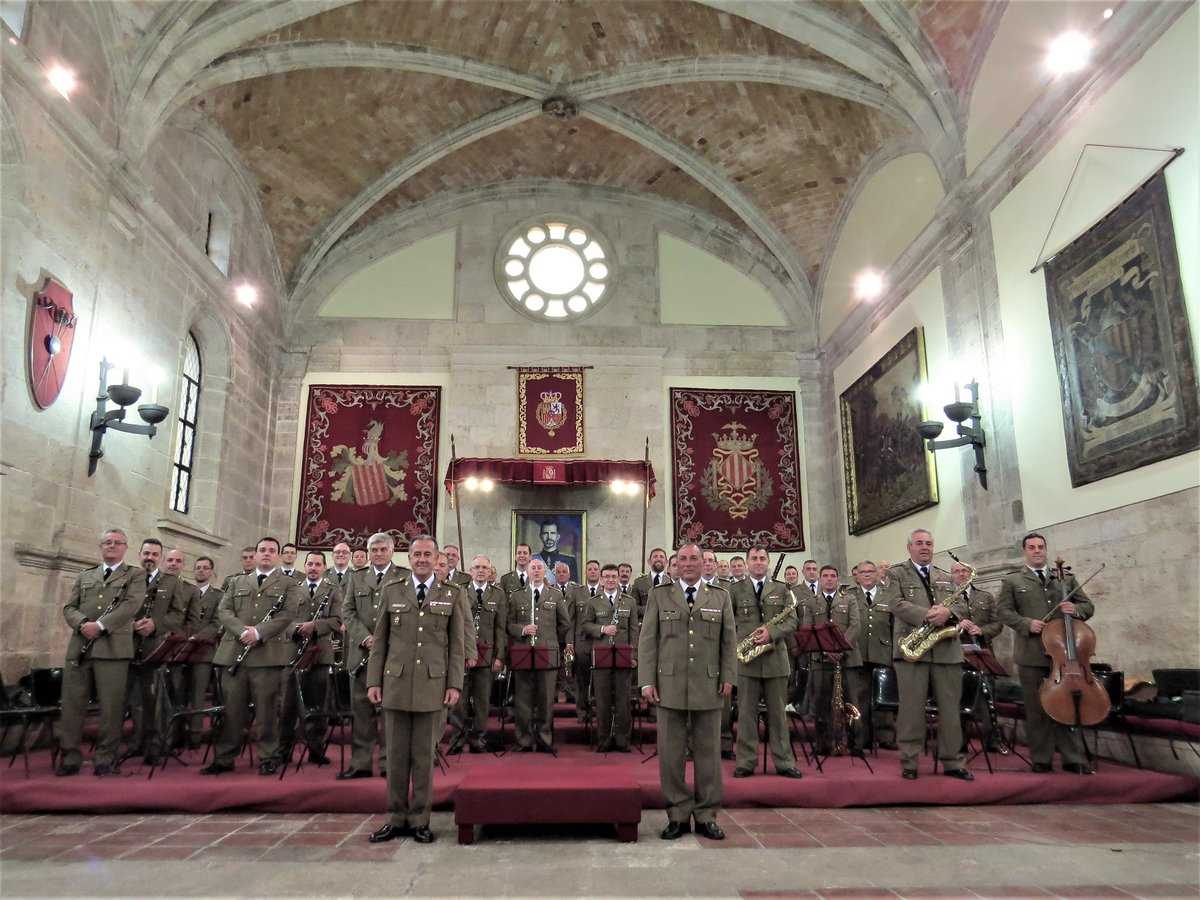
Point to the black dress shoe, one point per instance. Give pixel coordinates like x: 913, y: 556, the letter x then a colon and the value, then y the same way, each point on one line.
x: 725, y: 754
x: 216, y: 769
x: 888, y: 745
x: 317, y: 758
x: 710, y: 830
x: 62, y: 771
x: 742, y: 773
x: 1079, y: 768
x: 103, y: 770
x: 268, y: 767
x: 1042, y: 768
x: 422, y: 835
x: 353, y: 773
x: 674, y: 831
x: 382, y: 773
x: 388, y: 833
x: 909, y: 774
x: 960, y: 774
x: 790, y: 773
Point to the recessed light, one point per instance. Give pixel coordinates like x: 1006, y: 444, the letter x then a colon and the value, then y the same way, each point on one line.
x: 1069, y: 52
x: 246, y: 294
x: 868, y: 285
x: 1108, y: 13
x: 62, y: 80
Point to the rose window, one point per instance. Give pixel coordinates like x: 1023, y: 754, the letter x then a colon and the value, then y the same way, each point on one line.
x: 555, y: 269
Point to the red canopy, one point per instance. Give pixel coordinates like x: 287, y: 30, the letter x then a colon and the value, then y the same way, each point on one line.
x: 573, y: 472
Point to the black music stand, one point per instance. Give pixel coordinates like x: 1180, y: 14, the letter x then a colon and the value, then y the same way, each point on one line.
x: 172, y: 650
x: 299, y: 667
x: 610, y: 656
x: 983, y: 661
x: 822, y: 638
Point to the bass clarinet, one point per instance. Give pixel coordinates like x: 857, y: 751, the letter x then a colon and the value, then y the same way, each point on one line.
x: 321, y: 612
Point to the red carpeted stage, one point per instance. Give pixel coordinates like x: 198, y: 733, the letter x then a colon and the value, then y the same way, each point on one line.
x: 844, y: 783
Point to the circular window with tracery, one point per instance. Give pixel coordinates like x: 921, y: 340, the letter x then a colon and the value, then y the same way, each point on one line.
x: 554, y: 269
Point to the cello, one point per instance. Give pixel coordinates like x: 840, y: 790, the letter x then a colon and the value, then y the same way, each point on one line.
x: 1071, y: 694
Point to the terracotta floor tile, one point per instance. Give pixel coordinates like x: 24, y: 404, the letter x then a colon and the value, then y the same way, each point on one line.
x: 314, y: 839
x: 731, y: 842
x: 913, y: 893
x: 1089, y: 891
x: 789, y: 840
x: 224, y: 854
x: 780, y: 827
x: 1008, y: 892
x: 848, y: 840
x: 754, y: 816
x: 908, y: 839
x: 257, y: 839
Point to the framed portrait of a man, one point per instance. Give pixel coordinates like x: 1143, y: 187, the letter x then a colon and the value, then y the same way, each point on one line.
x: 553, y: 536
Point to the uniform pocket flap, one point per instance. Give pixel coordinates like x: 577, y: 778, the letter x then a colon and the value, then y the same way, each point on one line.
x: 437, y: 669
x: 666, y: 668
x: 710, y: 615
x: 714, y: 671
x: 670, y: 615
x: 394, y: 671
x: 401, y: 607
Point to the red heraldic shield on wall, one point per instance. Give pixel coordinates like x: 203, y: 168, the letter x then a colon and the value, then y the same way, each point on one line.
x: 736, y: 469
x: 550, y: 411
x: 370, y: 464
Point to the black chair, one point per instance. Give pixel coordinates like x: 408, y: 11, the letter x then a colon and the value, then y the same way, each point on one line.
x: 885, y: 697
x: 177, y: 715
x: 45, y: 705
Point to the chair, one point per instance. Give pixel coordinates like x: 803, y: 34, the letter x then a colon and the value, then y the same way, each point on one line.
x: 46, y: 697
x: 885, y: 697
x: 176, y: 715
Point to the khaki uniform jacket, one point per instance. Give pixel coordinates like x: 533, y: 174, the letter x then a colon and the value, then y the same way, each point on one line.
x: 169, y: 597
x: 419, y: 649
x: 846, y: 616
x: 597, y: 613
x: 906, y: 599
x: 687, y: 657
x: 775, y: 599
x: 874, y: 628
x: 327, y: 626
x: 201, y: 620
x: 90, y: 597
x: 511, y: 582
x: 462, y: 579
x: 229, y: 580
x: 641, y: 589
x: 1023, y: 599
x: 297, y: 575
x: 579, y: 598
x: 553, y: 620
x: 361, y: 604
x: 245, y: 606
x: 493, y: 618
x: 981, y: 609
x: 470, y: 637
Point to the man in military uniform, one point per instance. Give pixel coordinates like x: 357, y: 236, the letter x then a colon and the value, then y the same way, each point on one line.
x: 201, y: 624
x: 254, y: 615
x: 611, y: 617
x: 645, y: 583
x: 339, y: 573
x: 173, y: 562
x: 579, y: 597
x: 361, y: 606
x: 488, y: 612
x: 708, y: 569
x: 1026, y: 599
x: 625, y: 576
x: 358, y: 560
x: 875, y: 650
x: 100, y: 612
x: 758, y: 601
x: 415, y: 671
x: 455, y: 575
x: 686, y: 665
x: 249, y: 554
x: 537, y: 615
x: 723, y: 569
x: 317, y: 619
x: 162, y: 612
x: 791, y: 577
x: 812, y: 573
x: 830, y: 605
x: 918, y: 593
x: 518, y: 577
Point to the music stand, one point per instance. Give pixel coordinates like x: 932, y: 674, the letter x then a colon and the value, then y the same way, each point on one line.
x: 523, y: 657
x: 983, y: 661
x: 822, y: 638
x: 172, y: 649
x: 611, y: 656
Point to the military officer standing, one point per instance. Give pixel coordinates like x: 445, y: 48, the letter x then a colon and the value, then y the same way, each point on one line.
x: 1025, y: 599
x: 518, y: 577
x: 488, y: 608
x: 644, y: 584
x: 455, y: 575
x: 537, y: 615
x: 415, y: 671
x: 610, y: 617
x: 100, y: 612
x: 254, y: 615
x: 981, y: 605
x: 917, y: 593
x: 686, y: 665
x: 875, y: 650
x: 756, y: 602
x: 339, y: 573
x: 579, y: 598
x: 201, y: 624
x: 830, y: 605
x: 249, y: 554
x: 287, y: 562
x: 361, y: 606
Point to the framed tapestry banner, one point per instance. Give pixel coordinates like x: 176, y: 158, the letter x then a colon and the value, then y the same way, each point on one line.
x: 889, y: 472
x: 1121, y: 341
x: 550, y: 411
x: 736, y: 469
x: 370, y: 464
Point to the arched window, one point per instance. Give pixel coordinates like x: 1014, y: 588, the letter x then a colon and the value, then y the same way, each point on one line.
x: 189, y: 413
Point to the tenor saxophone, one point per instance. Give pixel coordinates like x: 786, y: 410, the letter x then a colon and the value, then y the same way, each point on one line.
x: 748, y: 651
x: 925, y: 637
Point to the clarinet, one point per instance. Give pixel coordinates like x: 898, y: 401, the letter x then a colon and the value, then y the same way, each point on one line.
x: 616, y: 620
x: 362, y: 663
x: 321, y: 612
x: 88, y: 644
x: 144, y: 612
x: 271, y: 613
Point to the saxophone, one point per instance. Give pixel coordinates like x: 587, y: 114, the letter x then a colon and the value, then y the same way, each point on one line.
x: 922, y: 639
x: 843, y: 714
x: 748, y: 651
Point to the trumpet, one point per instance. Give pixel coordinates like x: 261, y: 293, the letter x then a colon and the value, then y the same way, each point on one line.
x: 924, y: 638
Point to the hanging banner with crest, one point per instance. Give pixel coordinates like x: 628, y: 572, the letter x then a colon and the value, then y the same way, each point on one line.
x: 736, y: 469
x: 550, y: 410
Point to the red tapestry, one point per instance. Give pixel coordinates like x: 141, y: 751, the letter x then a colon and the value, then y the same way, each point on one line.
x: 370, y: 464
x: 736, y: 469
x: 550, y: 411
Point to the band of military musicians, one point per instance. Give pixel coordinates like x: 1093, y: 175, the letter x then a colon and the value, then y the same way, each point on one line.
x: 432, y: 651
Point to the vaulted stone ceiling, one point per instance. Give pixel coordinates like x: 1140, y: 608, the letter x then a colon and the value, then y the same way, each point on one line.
x: 761, y: 113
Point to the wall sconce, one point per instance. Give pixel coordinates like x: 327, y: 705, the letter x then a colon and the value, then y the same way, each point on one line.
x: 969, y: 435
x: 123, y: 395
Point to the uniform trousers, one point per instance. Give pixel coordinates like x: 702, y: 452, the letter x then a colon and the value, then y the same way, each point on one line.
x: 106, y: 679
x: 583, y: 681
x: 260, y: 686
x: 774, y: 691
x: 915, y: 681
x: 471, y: 712
x: 410, y: 740
x: 533, y: 696
x: 199, y: 679
x: 364, y: 731
x: 314, y: 683
x: 702, y: 727
x: 1043, y: 734
x: 143, y: 709
x: 614, y: 721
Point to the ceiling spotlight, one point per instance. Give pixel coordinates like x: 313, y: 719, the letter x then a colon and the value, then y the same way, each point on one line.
x: 633, y: 488
x: 486, y: 485
x: 1108, y: 13
x: 62, y: 80
x: 868, y: 285
x: 246, y: 294
x: 1069, y: 52
x: 472, y: 483
x: 618, y: 486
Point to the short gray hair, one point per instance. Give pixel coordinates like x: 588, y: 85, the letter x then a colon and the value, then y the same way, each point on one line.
x: 425, y: 537
x: 107, y: 531
x: 912, y: 534
x: 381, y: 537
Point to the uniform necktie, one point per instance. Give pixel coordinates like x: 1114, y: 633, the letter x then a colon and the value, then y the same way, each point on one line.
x: 828, y: 607
x: 312, y: 591
x: 522, y: 577
x: 758, y: 586
x: 420, y: 595
x: 812, y: 586
x: 924, y: 572
x: 691, y: 597
x: 378, y: 577
x: 479, y: 596
x: 593, y: 592
x: 261, y: 578
x: 655, y: 580
x: 536, y: 595
x: 339, y: 575
x: 870, y: 598
x: 624, y: 589
x: 107, y: 572
x: 1042, y: 577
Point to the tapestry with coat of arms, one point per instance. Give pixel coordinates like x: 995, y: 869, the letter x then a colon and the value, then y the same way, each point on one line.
x: 550, y: 411
x: 370, y: 464
x: 736, y: 469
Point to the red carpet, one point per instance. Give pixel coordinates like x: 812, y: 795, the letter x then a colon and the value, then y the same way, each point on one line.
x: 844, y: 783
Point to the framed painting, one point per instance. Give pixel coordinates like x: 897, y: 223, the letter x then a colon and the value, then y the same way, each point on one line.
x: 889, y: 472
x: 553, y: 536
